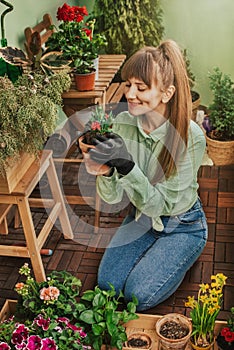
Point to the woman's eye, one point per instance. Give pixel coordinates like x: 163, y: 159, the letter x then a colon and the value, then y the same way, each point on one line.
x: 127, y: 85
x: 141, y: 88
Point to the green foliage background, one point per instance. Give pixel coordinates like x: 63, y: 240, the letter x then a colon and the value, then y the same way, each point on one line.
x: 129, y: 24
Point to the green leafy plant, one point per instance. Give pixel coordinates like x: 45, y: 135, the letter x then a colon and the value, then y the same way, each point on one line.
x: 221, y: 110
x: 74, y: 37
x: 206, y: 309
x: 101, y: 319
x: 28, y: 113
x: 55, y: 297
x: 130, y: 25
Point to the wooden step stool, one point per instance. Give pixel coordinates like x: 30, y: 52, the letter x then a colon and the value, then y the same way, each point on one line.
x: 20, y: 197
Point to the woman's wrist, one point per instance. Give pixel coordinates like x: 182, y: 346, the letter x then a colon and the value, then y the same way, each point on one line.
x: 110, y: 172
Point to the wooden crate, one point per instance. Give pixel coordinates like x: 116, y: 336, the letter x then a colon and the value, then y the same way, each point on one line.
x: 145, y: 323
x: 14, y: 173
x: 8, y: 309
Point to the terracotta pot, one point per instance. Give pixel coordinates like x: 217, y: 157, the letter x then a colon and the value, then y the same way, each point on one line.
x: 92, y: 167
x: 139, y: 340
x: 167, y: 343
x: 85, y: 82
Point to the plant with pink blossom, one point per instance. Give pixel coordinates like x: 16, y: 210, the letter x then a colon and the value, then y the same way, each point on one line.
x: 57, y: 296
x: 41, y: 333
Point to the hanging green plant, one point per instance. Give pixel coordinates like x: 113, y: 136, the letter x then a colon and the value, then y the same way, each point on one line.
x: 28, y: 113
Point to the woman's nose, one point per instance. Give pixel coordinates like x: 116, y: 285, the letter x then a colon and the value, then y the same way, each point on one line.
x: 131, y: 92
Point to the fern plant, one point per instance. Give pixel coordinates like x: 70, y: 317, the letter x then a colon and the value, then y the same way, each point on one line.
x: 129, y: 24
x: 221, y: 110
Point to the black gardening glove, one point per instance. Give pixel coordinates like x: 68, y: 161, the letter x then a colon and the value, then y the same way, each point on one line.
x: 111, y: 150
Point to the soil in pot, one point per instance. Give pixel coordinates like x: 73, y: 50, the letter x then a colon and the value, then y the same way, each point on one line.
x: 139, y: 340
x: 174, y: 331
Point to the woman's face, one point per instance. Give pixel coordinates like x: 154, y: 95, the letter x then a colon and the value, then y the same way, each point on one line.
x: 142, y: 99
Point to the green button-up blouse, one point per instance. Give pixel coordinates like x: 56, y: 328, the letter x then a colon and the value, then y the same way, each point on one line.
x: 169, y: 197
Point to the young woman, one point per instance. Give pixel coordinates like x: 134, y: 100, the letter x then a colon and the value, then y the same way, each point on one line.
x: 154, y: 154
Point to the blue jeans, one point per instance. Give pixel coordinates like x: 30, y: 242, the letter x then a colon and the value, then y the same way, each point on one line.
x: 150, y: 264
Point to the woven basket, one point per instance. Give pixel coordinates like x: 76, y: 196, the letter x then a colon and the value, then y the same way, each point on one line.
x: 221, y: 152
x: 53, y: 55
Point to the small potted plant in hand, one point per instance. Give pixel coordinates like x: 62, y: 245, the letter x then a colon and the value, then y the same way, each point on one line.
x: 225, y: 339
x: 99, y: 124
x: 205, y: 311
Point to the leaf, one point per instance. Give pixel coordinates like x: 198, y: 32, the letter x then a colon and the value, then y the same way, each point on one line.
x: 87, y: 316
x: 98, y: 328
x: 99, y: 300
x: 12, y: 55
x: 88, y: 295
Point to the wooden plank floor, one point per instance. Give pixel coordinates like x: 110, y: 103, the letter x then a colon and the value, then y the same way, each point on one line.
x: 81, y: 256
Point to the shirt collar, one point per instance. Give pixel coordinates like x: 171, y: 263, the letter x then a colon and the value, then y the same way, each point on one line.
x: 157, y: 134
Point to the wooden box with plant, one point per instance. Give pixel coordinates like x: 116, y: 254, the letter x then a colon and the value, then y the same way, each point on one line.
x: 28, y: 115
x: 219, y: 125
x: 48, y: 315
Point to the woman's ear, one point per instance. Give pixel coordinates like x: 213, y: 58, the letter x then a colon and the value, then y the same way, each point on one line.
x: 167, y: 95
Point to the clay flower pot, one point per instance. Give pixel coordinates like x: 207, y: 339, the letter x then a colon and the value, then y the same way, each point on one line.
x: 180, y: 338
x: 85, y: 82
x: 92, y: 167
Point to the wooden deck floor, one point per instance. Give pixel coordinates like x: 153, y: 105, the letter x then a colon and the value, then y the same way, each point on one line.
x: 81, y: 256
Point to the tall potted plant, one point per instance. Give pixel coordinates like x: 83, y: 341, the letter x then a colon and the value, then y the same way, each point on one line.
x: 220, y: 122
x: 129, y: 26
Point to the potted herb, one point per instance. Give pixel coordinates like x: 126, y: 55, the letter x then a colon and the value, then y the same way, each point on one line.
x: 100, y: 123
x: 205, y: 310
x: 219, y: 125
x: 225, y: 339
x: 101, y: 318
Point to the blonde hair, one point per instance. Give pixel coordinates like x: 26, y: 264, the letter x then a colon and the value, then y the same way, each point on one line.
x: 168, y: 66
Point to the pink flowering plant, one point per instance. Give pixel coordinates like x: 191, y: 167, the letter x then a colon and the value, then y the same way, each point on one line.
x: 101, y: 121
x: 55, y: 297
x: 41, y: 333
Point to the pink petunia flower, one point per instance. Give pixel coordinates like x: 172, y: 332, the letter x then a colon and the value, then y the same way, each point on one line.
x: 48, y: 344
x: 34, y: 342
x: 4, y: 346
